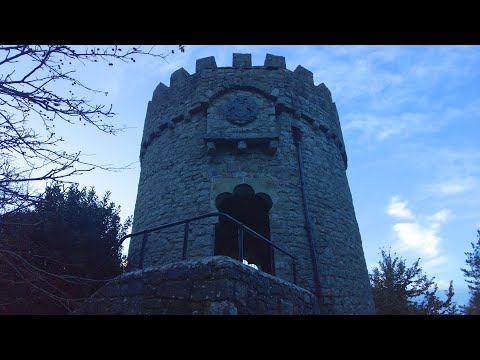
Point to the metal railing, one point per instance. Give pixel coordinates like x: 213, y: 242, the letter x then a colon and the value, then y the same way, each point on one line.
x: 241, y: 229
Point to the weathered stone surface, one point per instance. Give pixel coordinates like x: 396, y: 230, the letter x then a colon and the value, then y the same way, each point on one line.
x: 303, y: 73
x: 185, y: 165
x: 272, y: 147
x: 242, y: 146
x: 222, y: 308
x: 205, y: 63
x: 159, y: 90
x: 211, y: 148
x: 178, y: 76
x: 273, y: 61
x: 216, y: 285
x: 242, y: 60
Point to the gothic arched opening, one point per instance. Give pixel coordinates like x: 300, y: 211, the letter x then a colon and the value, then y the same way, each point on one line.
x: 252, y: 210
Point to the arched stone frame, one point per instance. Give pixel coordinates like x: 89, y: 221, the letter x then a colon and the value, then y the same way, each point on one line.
x: 251, y: 208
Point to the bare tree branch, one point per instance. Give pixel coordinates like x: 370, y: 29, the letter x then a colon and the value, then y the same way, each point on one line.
x: 40, y: 87
x: 30, y: 76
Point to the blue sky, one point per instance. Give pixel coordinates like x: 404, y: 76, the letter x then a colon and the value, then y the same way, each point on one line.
x: 410, y: 121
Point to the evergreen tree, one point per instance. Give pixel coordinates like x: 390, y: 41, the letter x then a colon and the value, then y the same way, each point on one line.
x: 402, y: 290
x: 473, y: 278
x: 59, y: 253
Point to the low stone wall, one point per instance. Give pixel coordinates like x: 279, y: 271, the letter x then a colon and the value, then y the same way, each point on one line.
x: 216, y: 285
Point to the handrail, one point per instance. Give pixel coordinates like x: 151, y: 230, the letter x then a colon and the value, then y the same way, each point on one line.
x: 200, y: 217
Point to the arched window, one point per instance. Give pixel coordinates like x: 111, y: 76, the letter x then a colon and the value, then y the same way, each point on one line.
x: 252, y: 210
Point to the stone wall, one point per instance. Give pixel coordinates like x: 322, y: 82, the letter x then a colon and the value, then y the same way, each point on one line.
x: 191, y: 148
x: 215, y: 285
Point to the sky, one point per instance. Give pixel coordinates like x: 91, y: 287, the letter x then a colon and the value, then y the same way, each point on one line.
x: 410, y: 122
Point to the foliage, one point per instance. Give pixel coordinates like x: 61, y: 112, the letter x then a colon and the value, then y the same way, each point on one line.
x: 402, y: 290
x: 57, y: 254
x: 473, y: 278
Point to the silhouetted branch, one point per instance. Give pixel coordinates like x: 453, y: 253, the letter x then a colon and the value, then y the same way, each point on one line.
x: 30, y: 79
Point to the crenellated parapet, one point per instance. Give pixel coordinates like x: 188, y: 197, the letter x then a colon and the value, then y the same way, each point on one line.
x: 262, y: 144
x: 242, y: 103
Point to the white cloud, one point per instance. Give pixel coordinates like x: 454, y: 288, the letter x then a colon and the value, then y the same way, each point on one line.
x: 435, y: 263
x: 425, y: 120
x: 441, y: 216
x: 399, y: 208
x: 443, y: 284
x: 385, y: 126
x: 353, y: 71
x: 421, y: 235
x: 413, y: 236
x: 454, y: 186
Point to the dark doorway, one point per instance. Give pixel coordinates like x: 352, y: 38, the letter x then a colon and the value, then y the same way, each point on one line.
x: 252, y: 210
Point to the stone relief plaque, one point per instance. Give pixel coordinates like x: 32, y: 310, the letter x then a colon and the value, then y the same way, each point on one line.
x: 241, y: 110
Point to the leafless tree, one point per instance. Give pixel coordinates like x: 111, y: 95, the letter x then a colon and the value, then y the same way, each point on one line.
x: 30, y: 104
x: 39, y: 87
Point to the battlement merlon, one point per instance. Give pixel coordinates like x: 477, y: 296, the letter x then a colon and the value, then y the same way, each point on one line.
x: 242, y: 61
x: 205, y: 63
x: 292, y: 91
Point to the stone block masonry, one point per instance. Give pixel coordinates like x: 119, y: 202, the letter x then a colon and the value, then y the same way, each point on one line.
x: 213, y: 133
x: 215, y: 285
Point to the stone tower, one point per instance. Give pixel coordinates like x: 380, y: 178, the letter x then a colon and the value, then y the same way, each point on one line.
x: 264, y: 145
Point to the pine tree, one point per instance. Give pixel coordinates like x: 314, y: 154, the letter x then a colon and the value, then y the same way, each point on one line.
x: 473, y: 278
x: 402, y: 290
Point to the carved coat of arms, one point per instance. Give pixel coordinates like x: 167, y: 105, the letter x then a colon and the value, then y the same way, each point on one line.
x: 241, y: 110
